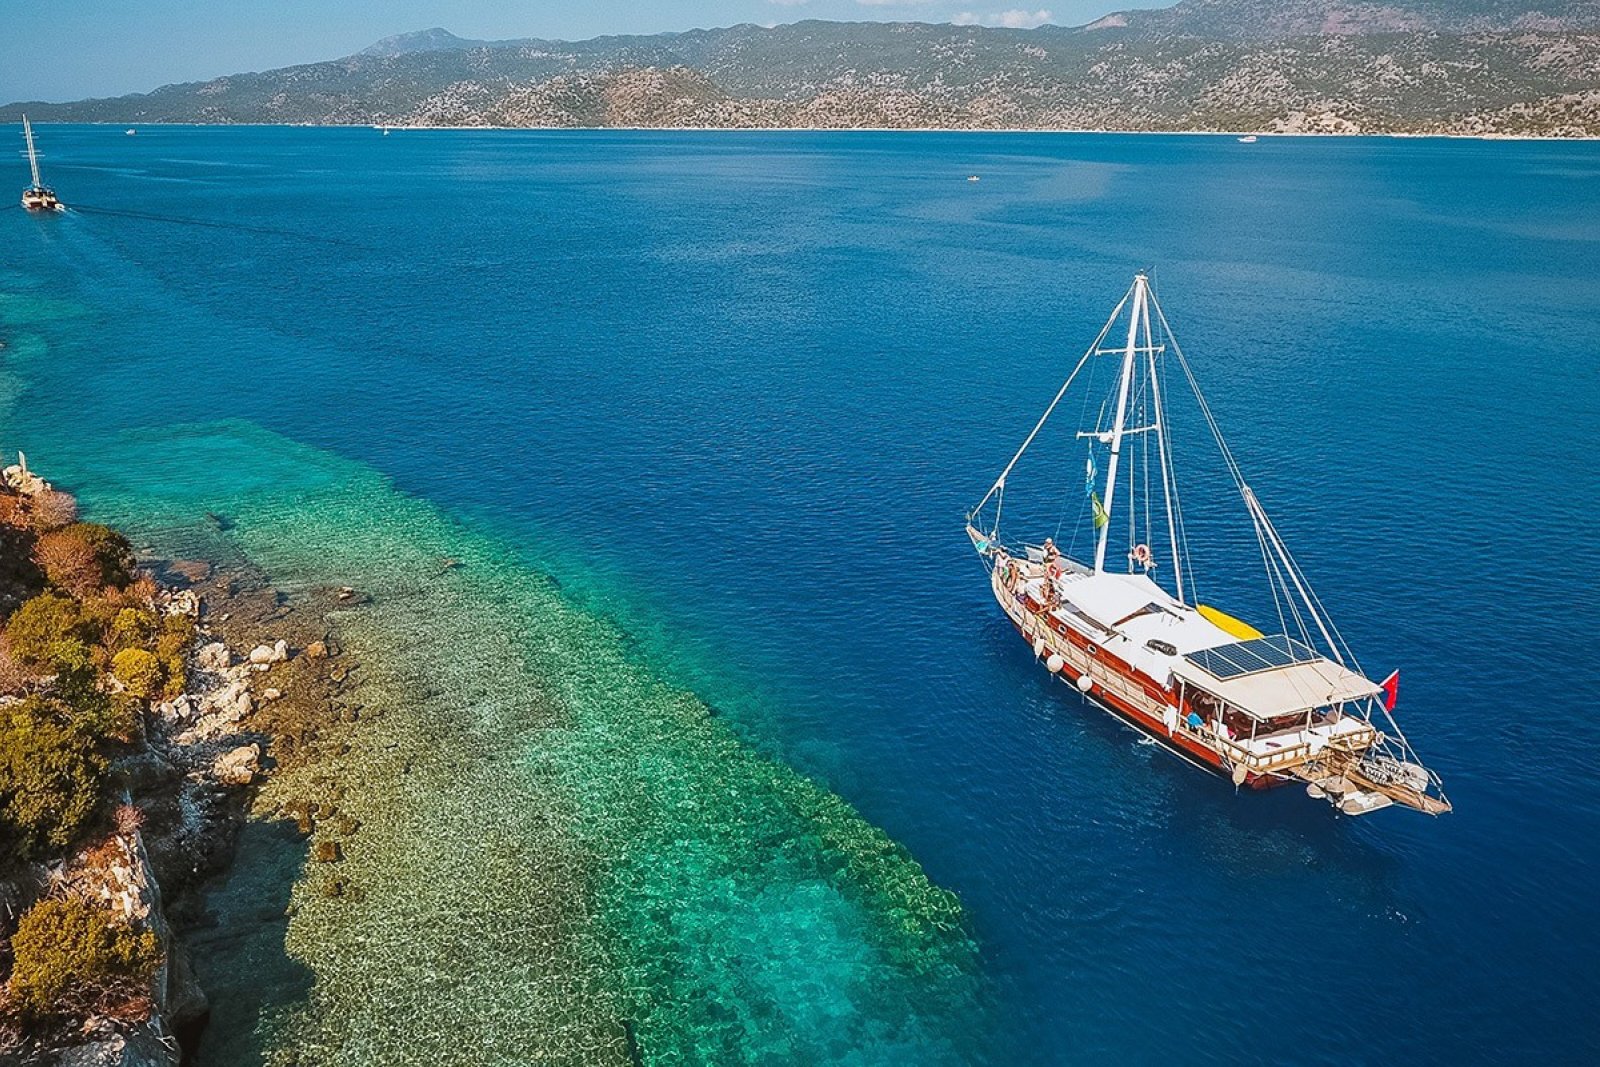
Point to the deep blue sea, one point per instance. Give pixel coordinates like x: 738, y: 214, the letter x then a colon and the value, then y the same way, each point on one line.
x: 736, y: 391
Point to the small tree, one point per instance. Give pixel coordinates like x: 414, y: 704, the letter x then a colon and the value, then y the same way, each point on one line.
x: 69, y: 561
x: 53, y: 509
x: 72, y: 958
x: 50, y: 777
x: 85, y: 557
x: 115, y: 554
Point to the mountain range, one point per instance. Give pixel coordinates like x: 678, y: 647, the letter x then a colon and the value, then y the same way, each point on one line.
x: 1506, y: 67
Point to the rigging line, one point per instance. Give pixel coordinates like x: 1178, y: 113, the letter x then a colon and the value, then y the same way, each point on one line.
x: 1322, y: 612
x: 1293, y: 571
x: 1227, y: 455
x: 1133, y: 509
x: 179, y: 220
x: 1274, y: 582
x: 1169, y: 475
x: 1051, y: 409
x: 1313, y: 605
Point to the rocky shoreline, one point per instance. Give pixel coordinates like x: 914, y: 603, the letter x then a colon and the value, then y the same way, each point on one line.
x: 262, y: 691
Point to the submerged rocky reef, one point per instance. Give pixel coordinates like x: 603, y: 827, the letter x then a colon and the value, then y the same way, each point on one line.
x: 473, y: 824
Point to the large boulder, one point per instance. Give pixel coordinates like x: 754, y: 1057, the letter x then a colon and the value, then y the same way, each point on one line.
x: 266, y: 655
x: 180, y: 708
x: 214, y: 657
x: 142, y: 1048
x: 144, y: 772
x: 228, y: 704
x: 187, y: 1004
x: 239, y: 766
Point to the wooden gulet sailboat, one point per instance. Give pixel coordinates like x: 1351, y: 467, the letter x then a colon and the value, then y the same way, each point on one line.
x: 1261, y: 709
x: 36, y: 197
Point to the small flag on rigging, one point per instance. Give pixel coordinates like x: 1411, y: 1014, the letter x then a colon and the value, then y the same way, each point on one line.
x: 1391, y: 691
x: 1097, y: 508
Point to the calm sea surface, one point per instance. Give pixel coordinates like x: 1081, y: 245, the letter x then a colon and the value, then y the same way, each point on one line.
x: 735, y: 392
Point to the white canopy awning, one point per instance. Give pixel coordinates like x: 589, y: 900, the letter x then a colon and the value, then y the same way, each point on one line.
x: 1294, y: 687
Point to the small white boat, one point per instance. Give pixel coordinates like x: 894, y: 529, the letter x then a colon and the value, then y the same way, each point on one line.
x: 973, y: 178
x: 132, y: 132
x: 1249, y: 138
x: 36, y: 197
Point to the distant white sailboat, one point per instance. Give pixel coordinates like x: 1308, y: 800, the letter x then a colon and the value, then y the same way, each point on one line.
x: 36, y: 197
x: 1249, y: 138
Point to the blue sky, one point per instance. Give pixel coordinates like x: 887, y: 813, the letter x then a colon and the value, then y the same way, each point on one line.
x: 67, y: 49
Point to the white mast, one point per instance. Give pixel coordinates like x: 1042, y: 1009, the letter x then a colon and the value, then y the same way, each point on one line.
x: 1135, y: 314
x: 33, y: 158
x: 1165, y: 452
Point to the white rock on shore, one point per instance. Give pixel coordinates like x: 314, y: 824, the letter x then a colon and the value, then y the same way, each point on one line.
x: 238, y: 767
x: 263, y: 656
x: 214, y: 657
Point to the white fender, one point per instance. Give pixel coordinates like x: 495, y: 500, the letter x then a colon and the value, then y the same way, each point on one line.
x: 1169, y: 719
x: 1055, y: 663
x: 1038, y: 647
x: 1085, y: 683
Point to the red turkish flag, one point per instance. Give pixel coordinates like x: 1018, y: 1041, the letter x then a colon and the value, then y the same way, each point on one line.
x: 1391, y: 690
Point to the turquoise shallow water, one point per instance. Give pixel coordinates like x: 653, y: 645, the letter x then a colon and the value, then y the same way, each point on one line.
x: 733, y: 394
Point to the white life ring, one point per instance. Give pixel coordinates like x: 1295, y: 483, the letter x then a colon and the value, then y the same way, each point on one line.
x: 1140, y: 555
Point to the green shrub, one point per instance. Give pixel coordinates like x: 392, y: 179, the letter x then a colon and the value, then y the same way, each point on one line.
x: 50, y: 777
x: 70, y: 956
x: 133, y: 628
x: 139, y: 670
x: 111, y: 550
x: 172, y: 647
x: 44, y: 627
x: 98, y: 716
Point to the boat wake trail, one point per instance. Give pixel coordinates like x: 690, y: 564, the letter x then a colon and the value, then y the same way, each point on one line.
x: 150, y: 216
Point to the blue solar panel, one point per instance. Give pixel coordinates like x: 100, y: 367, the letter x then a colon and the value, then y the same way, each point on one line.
x: 1250, y: 657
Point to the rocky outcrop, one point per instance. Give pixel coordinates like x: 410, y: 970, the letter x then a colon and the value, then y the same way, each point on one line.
x: 143, y: 1047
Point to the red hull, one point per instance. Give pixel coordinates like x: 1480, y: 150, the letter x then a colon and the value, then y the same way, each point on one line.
x: 1143, y: 721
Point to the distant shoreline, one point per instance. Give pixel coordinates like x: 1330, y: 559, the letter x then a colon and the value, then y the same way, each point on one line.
x: 837, y: 129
